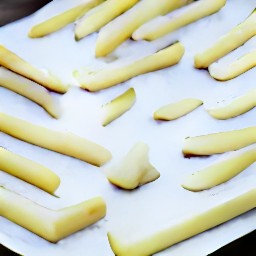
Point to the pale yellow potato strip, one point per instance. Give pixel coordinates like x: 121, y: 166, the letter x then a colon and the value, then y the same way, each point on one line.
x: 134, y: 170
x: 224, y: 72
x: 237, y: 107
x: 220, y: 171
x: 29, y: 171
x: 13, y: 62
x: 62, y: 142
x: 176, y: 110
x: 121, y: 28
x: 163, y: 25
x: 109, y: 77
x: 100, y: 16
x: 52, y: 225
x: 61, y: 20
x: 219, y: 142
x: 227, y: 43
x: 118, y: 106
x: 30, y: 90
x: 169, y: 236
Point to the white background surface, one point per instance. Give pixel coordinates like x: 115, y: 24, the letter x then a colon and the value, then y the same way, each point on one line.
x: 151, y: 207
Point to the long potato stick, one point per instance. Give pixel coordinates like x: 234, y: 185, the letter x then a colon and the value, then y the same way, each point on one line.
x: 30, y: 90
x: 120, y: 29
x: 109, y: 77
x: 237, y: 107
x: 162, y: 25
x: 176, y: 110
x: 234, y: 69
x: 100, y: 16
x: 62, y: 142
x: 219, y: 142
x: 29, y: 171
x: 220, y: 171
x: 227, y: 43
x: 174, y: 234
x: 13, y: 62
x: 61, y: 20
x: 50, y: 224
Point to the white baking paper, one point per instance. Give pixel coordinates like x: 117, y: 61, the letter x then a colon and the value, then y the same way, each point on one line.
x: 158, y: 204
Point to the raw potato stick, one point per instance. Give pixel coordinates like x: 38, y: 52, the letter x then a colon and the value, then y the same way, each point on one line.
x: 237, y: 107
x: 100, y: 16
x: 118, y: 106
x: 62, y: 142
x: 227, y: 43
x: 163, y: 25
x: 61, y: 20
x: 52, y: 225
x: 109, y: 77
x: 178, y: 109
x: 30, y: 90
x: 29, y: 171
x: 220, y: 171
x: 13, y: 62
x: 224, y: 72
x: 163, y: 239
x: 120, y: 29
x: 219, y: 142
x: 134, y: 170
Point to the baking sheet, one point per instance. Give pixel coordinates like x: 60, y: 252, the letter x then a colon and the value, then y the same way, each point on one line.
x: 151, y: 207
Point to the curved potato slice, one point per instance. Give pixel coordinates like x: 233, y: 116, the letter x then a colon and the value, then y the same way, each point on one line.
x: 163, y: 25
x: 220, y: 172
x: 201, y: 222
x: 100, y: 16
x: 30, y: 90
x: 29, y: 171
x: 237, y: 107
x: 95, y: 81
x: 227, y: 43
x: 61, y: 20
x: 50, y: 224
x: 13, y: 62
x: 226, y: 72
x: 134, y: 170
x: 62, y: 142
x: 219, y: 142
x: 118, y: 106
x: 177, y: 109
x: 120, y: 29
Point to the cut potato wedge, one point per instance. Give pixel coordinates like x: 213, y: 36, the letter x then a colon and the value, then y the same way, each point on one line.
x: 224, y: 72
x: 29, y: 171
x: 176, y: 110
x: 120, y: 29
x: 237, y: 107
x: 61, y: 20
x: 95, y: 81
x: 219, y: 142
x: 30, y: 90
x: 13, y: 62
x: 100, y: 16
x: 50, y: 224
x: 227, y: 43
x: 118, y: 106
x: 185, y: 229
x: 62, y: 142
x: 163, y: 25
x: 220, y: 171
x: 134, y: 170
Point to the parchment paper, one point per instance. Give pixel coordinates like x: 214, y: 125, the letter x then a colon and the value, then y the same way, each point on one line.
x: 158, y: 204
